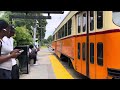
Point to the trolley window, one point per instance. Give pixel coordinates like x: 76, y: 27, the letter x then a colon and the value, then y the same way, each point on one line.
x: 100, y: 54
x: 91, y: 20
x: 79, y: 24
x: 78, y: 50
x: 116, y: 17
x: 62, y: 31
x: 69, y: 26
x: 83, y: 51
x: 99, y: 19
x: 59, y: 33
x: 56, y: 35
x: 66, y: 25
x: 92, y: 53
x: 84, y: 22
x: 53, y: 37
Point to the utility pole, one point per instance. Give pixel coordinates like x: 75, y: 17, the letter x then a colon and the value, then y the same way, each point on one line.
x: 34, y: 31
x: 34, y: 34
x: 41, y: 28
x: 41, y: 37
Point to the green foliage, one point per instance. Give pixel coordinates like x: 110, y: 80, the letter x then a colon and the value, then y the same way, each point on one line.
x: 19, y: 23
x: 24, y: 23
x: 41, y: 31
x: 44, y: 41
x: 22, y: 36
x: 6, y: 16
x: 31, y: 22
x: 50, y: 38
x: 24, y: 33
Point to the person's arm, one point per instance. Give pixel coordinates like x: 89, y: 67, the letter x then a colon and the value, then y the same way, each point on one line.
x: 4, y: 58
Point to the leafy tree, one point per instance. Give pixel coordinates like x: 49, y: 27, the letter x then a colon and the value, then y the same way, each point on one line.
x: 26, y: 24
x: 22, y: 36
x: 45, y: 41
x: 50, y: 38
x: 6, y: 16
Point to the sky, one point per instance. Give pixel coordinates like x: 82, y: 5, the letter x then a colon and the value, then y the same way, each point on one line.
x: 53, y: 23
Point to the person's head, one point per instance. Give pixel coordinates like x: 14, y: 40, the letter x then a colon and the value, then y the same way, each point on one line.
x: 4, y: 28
x: 31, y: 46
x: 12, y: 31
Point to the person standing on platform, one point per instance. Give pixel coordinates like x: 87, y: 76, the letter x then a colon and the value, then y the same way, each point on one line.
x: 5, y: 52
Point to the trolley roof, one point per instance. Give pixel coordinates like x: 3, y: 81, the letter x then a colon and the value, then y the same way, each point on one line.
x: 68, y: 16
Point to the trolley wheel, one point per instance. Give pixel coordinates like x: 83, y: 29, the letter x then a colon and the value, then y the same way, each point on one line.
x: 70, y: 63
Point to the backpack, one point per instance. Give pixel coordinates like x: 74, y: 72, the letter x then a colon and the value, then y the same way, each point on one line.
x: 33, y: 53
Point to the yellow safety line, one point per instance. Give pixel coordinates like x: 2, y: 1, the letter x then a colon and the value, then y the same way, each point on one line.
x: 59, y: 70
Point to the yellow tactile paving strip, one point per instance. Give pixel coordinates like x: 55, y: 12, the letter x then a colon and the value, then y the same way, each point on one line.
x: 59, y: 70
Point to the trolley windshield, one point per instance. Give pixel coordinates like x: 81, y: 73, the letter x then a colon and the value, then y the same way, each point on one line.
x: 116, y: 17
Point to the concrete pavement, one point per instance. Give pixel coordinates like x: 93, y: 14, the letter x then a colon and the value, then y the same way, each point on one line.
x: 44, y: 68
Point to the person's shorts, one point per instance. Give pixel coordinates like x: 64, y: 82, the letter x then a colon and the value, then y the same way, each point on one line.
x: 5, y: 74
x: 15, y: 72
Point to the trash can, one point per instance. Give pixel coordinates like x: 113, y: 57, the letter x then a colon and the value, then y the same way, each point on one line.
x: 23, y: 59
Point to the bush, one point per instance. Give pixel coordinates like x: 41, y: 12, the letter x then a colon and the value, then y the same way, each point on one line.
x: 22, y: 36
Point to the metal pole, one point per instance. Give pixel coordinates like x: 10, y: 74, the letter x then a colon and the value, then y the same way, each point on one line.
x: 87, y: 40
x: 41, y: 36
x: 41, y: 33
x: 34, y: 32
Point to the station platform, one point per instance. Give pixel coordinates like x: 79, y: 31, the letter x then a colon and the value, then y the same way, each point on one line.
x: 48, y: 67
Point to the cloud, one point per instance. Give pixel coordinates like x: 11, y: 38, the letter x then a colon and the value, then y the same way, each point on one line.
x: 53, y: 23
